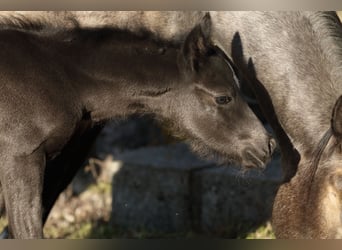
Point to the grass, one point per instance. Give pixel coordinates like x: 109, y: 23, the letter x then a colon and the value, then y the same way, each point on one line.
x: 263, y: 232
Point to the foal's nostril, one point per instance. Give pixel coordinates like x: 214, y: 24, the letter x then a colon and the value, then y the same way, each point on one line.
x: 271, y: 145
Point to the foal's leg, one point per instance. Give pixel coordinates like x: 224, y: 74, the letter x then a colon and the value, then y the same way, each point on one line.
x: 22, y: 183
x: 60, y: 171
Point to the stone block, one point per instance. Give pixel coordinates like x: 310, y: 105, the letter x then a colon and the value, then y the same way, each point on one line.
x: 229, y: 202
x: 168, y: 189
x: 152, y: 187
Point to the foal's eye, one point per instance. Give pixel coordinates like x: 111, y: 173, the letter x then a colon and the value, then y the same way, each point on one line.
x: 221, y: 100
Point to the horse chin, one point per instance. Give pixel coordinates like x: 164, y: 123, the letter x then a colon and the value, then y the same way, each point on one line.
x: 245, y: 162
x: 251, y: 160
x: 202, y: 148
x: 209, y: 153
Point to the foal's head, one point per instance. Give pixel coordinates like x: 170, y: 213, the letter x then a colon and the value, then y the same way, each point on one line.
x: 208, y: 107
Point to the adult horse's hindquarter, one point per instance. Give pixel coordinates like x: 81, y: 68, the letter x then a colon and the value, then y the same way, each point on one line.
x: 320, y: 186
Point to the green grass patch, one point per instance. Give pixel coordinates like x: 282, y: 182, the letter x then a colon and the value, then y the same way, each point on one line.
x: 263, y: 232
x: 101, y: 188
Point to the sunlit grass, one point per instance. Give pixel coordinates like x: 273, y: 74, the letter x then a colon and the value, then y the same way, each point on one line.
x: 263, y: 232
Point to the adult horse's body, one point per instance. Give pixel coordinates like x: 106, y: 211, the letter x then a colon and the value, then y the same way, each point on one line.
x: 71, y: 79
x: 297, y: 58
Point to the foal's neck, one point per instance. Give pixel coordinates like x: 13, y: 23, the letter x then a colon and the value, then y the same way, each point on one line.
x: 125, y: 73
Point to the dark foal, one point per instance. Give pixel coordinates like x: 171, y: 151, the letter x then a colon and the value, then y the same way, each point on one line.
x: 68, y: 79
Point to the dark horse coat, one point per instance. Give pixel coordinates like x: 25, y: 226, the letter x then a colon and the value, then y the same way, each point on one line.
x: 55, y: 84
x: 293, y: 62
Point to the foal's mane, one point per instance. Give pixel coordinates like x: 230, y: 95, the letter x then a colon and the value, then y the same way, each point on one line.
x: 62, y: 32
x: 16, y: 22
x: 21, y: 22
x: 102, y: 34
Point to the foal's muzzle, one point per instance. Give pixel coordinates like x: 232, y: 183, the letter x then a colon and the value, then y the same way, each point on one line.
x: 258, y: 157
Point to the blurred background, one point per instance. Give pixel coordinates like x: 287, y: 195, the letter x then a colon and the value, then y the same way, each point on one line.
x: 140, y: 182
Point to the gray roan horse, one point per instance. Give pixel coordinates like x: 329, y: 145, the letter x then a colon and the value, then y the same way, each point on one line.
x: 293, y: 63
x: 56, y: 82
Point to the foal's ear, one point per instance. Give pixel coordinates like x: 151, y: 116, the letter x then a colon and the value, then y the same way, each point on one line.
x: 197, y: 43
x: 336, y: 119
